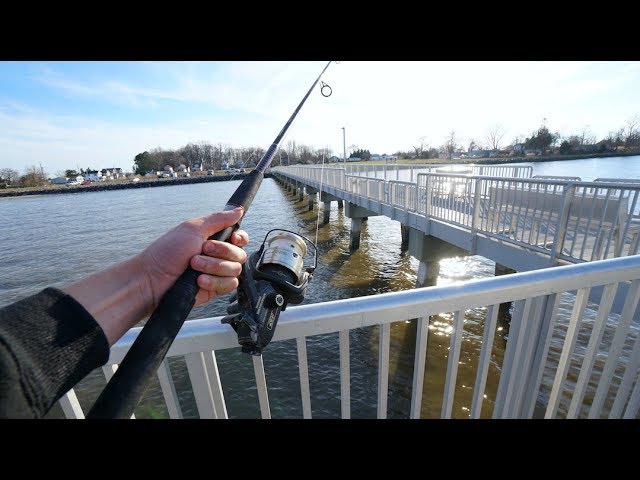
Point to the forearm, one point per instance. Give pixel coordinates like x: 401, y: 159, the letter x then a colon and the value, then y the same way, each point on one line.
x: 117, y: 297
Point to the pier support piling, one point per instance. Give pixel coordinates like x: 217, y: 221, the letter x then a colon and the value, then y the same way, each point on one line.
x: 429, y: 251
x: 357, y: 215
x: 312, y: 196
x: 354, y: 237
x: 404, y: 232
x: 503, y: 310
x: 326, y: 199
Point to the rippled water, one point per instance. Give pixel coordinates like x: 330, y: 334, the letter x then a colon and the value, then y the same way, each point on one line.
x: 55, y: 240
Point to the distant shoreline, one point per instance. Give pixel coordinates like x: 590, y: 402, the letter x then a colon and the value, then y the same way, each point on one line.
x: 496, y: 160
x: 123, y: 185
x: 97, y: 187
x: 547, y: 158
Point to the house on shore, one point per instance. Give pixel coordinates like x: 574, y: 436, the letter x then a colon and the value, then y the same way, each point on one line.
x: 112, y: 173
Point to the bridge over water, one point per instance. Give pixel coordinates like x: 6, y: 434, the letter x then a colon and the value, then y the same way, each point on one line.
x: 503, y: 213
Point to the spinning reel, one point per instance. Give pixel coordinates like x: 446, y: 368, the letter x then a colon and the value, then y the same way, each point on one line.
x: 272, y: 277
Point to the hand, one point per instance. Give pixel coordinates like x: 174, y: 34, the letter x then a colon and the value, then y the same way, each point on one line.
x: 125, y: 293
x: 170, y: 255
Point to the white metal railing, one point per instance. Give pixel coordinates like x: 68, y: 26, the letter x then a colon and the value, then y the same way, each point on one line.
x: 565, y: 219
x: 411, y: 170
x: 557, y: 177
x: 531, y: 379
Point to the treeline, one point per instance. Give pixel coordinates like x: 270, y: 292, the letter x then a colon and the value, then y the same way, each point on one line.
x: 213, y: 157
x: 541, y: 140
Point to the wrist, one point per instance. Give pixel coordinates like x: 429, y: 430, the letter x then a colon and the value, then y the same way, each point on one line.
x: 117, y: 297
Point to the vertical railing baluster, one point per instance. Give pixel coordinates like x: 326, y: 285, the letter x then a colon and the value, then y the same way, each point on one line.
x: 568, y: 346
x: 345, y: 378
x: 303, y: 369
x: 595, y: 337
x: 383, y: 369
x: 490, y: 322
x: 622, y: 330
x: 630, y: 374
x: 261, y: 383
x: 419, y: 366
x: 70, y: 405
x: 215, y: 384
x: 452, y: 364
x: 508, y: 360
x: 169, y: 390
x: 200, y: 383
x: 542, y: 349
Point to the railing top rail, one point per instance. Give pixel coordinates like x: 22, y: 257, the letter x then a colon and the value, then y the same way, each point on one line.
x: 557, y: 177
x: 593, y: 184
x: 330, y: 317
x: 373, y: 179
x: 618, y: 180
x: 401, y: 182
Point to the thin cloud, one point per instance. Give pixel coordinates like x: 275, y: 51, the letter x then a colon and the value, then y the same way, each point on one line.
x: 384, y: 106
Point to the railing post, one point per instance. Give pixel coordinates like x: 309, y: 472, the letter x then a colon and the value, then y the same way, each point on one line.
x: 561, y: 225
x: 345, y: 375
x: 169, y: 390
x: 419, y: 366
x: 476, y: 206
x: 70, y: 405
x: 427, y: 206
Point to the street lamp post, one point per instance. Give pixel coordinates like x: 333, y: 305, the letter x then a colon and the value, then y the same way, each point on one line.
x: 344, y: 149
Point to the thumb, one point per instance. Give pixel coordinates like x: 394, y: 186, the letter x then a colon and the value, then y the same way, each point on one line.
x: 218, y: 221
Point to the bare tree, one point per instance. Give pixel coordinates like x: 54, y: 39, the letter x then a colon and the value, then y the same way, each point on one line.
x: 613, y: 141
x: 8, y: 175
x: 207, y: 155
x: 630, y: 133
x: 574, y: 140
x: 420, y: 149
x: 494, y: 136
x: 292, y: 152
x: 586, y: 137
x: 473, y: 145
x: 192, y: 154
x: 323, y: 152
x: 451, y: 144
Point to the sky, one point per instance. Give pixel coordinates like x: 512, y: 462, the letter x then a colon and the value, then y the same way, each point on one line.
x: 99, y: 114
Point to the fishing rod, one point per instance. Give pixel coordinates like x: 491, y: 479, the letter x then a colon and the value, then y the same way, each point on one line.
x: 123, y: 392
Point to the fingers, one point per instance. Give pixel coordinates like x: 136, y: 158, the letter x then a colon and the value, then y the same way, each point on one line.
x: 220, y: 265
x: 215, y: 286
x: 225, y: 250
x: 216, y: 266
x: 212, y: 286
x: 240, y: 238
x: 218, y: 276
x: 220, y: 262
x: 218, y: 221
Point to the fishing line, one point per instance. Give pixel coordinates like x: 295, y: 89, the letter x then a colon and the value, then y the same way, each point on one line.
x: 318, y: 216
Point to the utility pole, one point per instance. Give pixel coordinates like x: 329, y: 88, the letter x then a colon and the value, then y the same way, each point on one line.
x: 344, y: 149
